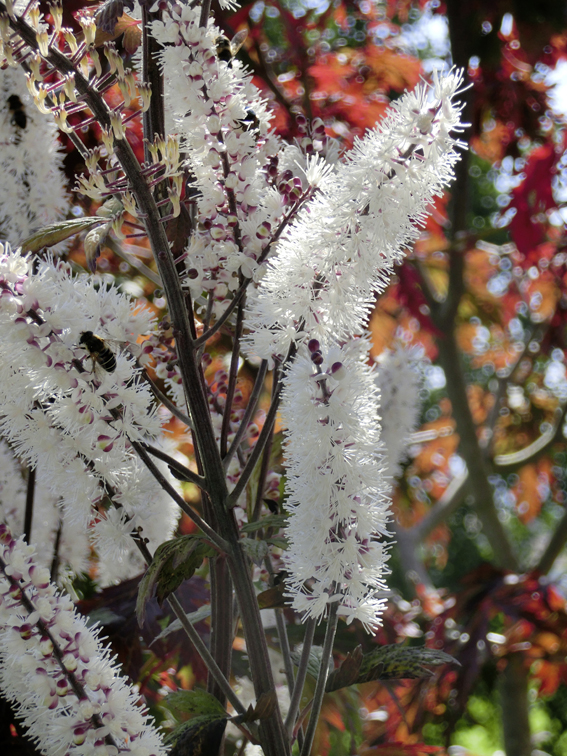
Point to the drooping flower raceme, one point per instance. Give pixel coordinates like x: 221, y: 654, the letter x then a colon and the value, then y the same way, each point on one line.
x: 337, y: 490
x: 75, y: 418
x: 341, y: 249
x: 56, y: 673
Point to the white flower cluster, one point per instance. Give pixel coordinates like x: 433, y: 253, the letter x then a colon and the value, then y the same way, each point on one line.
x: 341, y: 249
x: 241, y: 193
x: 75, y: 421
x: 56, y: 673
x: 337, y: 492
x: 32, y: 187
x: 399, y: 381
x: 314, y: 300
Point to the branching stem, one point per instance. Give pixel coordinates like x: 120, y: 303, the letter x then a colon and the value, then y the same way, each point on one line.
x: 257, y: 451
x: 232, y: 377
x: 215, y: 539
x: 248, y: 413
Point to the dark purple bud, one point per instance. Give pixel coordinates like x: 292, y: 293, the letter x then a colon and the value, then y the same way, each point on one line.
x: 338, y: 371
x: 264, y: 230
x: 26, y: 631
x: 317, y: 128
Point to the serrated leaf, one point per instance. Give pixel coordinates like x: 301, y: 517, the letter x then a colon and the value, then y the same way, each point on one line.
x: 174, y: 561
x: 389, y: 663
x: 270, y: 521
x: 58, y: 232
x: 202, y: 613
x: 255, y: 550
x: 194, y: 702
x: 200, y: 736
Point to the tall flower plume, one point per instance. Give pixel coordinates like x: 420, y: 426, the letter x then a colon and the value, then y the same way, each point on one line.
x: 312, y: 305
x: 337, y: 489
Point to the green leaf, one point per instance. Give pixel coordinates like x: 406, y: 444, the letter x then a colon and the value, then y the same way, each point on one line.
x: 387, y: 663
x: 194, y: 702
x: 58, y: 232
x: 200, y: 736
x: 279, y: 542
x: 270, y: 521
x: 174, y: 561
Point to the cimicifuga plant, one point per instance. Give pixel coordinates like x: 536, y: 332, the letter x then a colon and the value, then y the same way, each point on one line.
x: 267, y: 256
